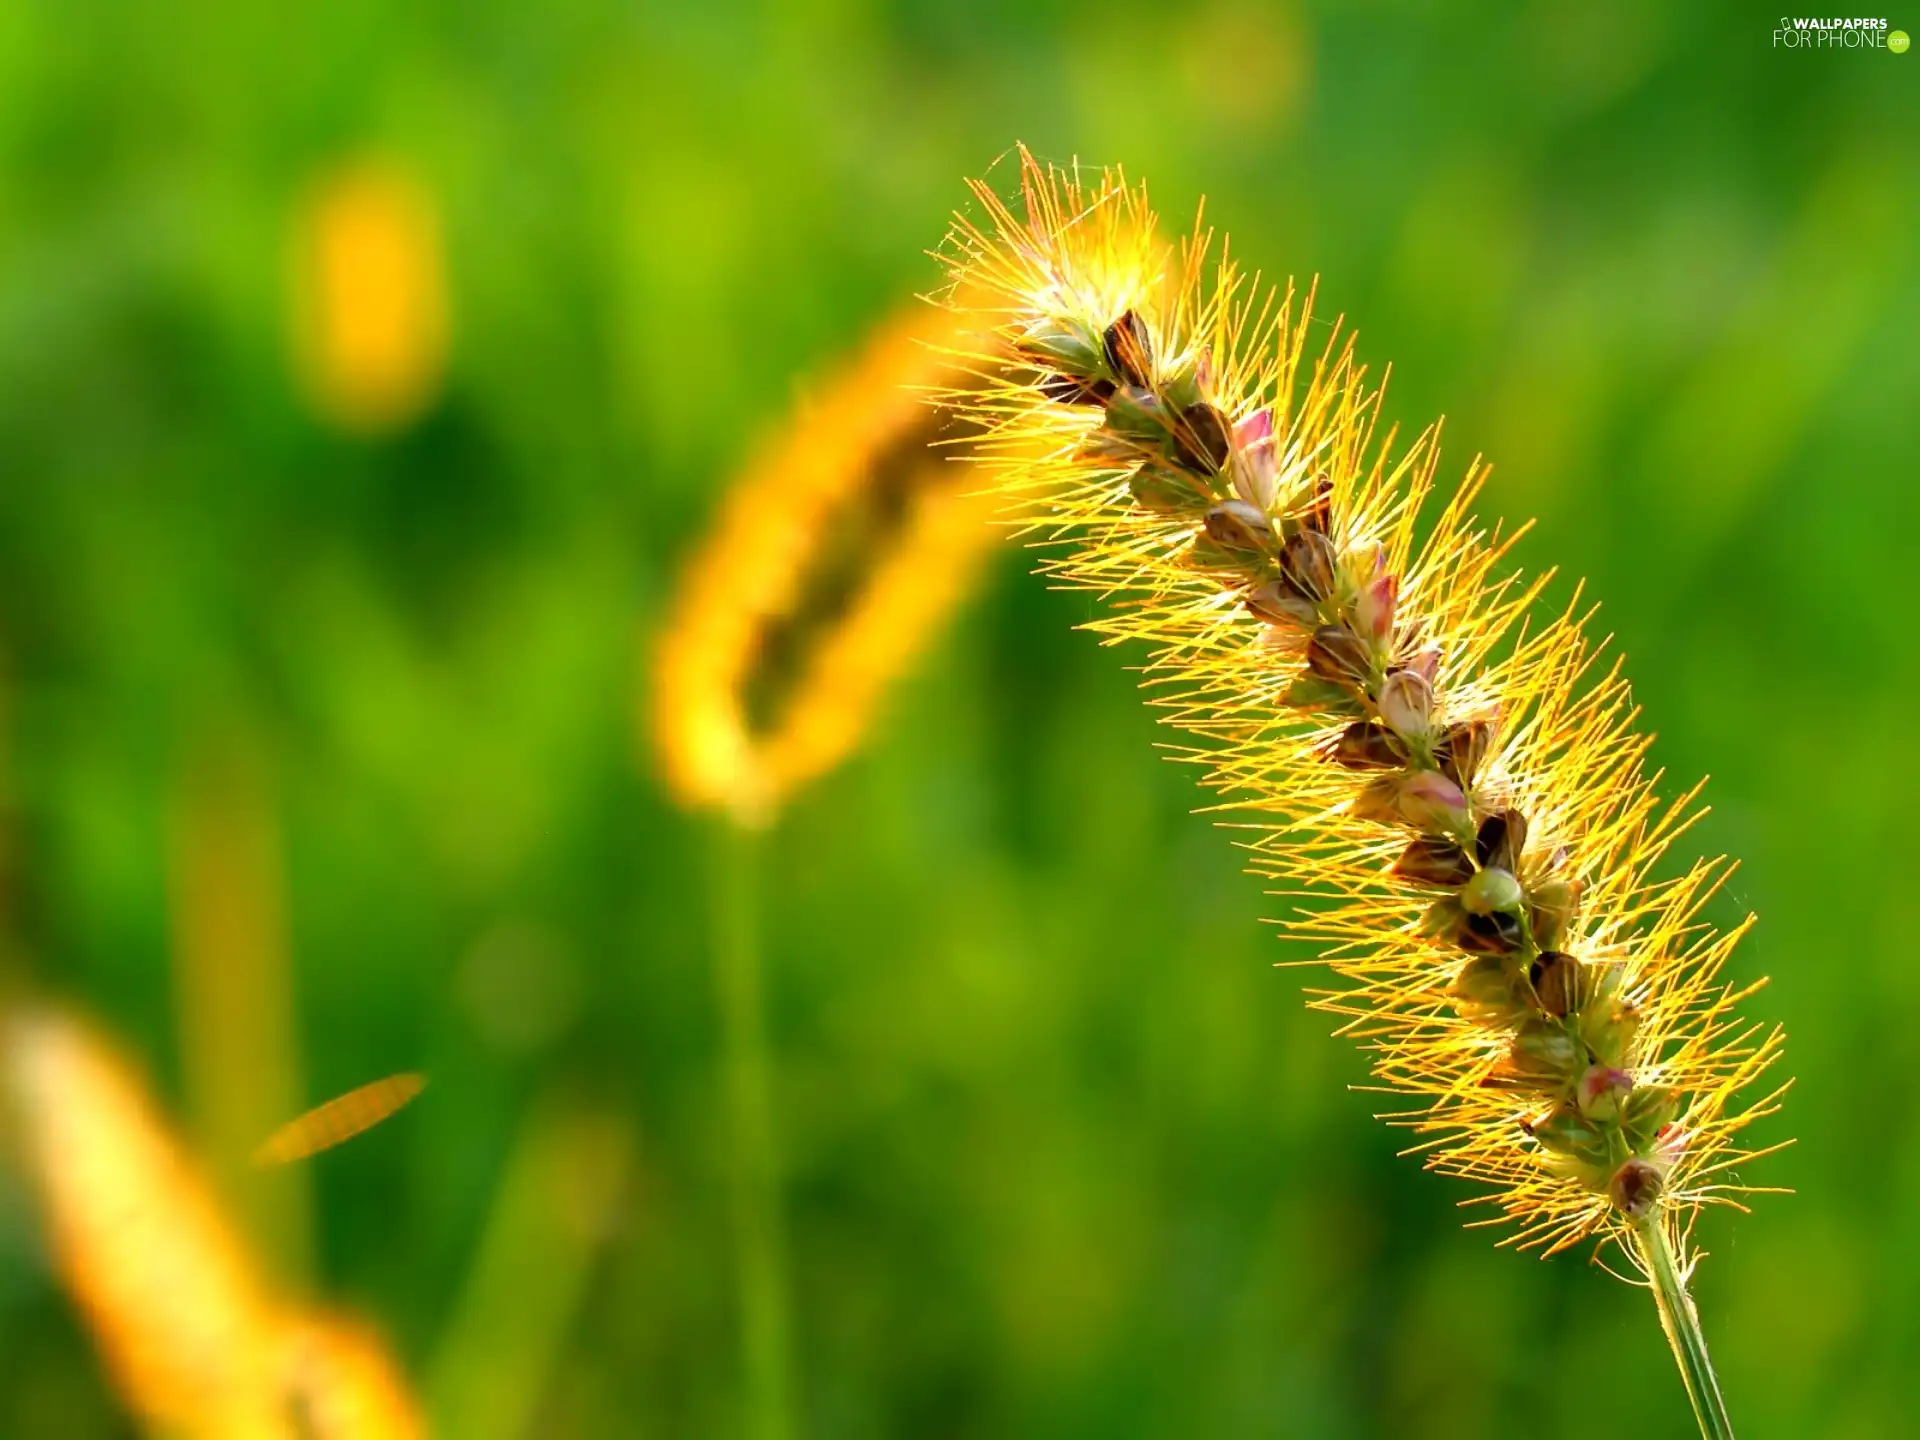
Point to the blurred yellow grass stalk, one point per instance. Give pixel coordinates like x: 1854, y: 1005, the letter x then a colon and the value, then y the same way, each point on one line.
x: 191, y: 1335
x: 369, y: 297
x: 844, y: 542
x: 559, y: 1201
x: 1389, y: 722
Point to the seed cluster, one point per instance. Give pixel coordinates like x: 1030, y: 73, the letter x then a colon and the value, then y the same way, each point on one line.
x: 1453, y: 782
x: 1568, y: 1029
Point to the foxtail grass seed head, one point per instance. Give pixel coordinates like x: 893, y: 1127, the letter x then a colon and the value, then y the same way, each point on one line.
x: 1374, y: 690
x: 840, y: 548
x: 194, y: 1340
x: 369, y: 297
x: 182, y: 1321
x: 340, y: 1384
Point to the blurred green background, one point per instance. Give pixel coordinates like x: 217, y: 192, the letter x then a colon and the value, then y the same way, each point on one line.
x: 1067, y: 1158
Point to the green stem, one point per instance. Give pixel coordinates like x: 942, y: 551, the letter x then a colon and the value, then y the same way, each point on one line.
x: 1682, y: 1324
x: 760, y: 1252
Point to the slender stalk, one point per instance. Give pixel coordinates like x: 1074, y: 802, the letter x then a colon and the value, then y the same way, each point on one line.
x: 759, y: 1247
x: 1682, y: 1324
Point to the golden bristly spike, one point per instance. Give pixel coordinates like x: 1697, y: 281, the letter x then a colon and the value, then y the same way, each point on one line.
x: 859, y: 478
x: 1370, y: 686
x: 181, y: 1317
x: 340, y: 1119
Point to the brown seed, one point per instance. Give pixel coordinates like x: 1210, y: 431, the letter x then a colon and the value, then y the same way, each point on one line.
x: 1278, y: 603
x: 1463, y: 747
x: 1200, y: 438
x: 1492, y: 836
x: 1336, y: 653
x: 1516, y: 838
x: 1501, y: 839
x: 1368, y: 745
x: 1378, y: 799
x: 1129, y: 349
x: 1433, y: 861
x: 1635, y: 1187
x: 1558, y: 982
x: 1236, y: 525
x: 1495, y: 933
x: 1309, y: 562
x: 1072, y: 390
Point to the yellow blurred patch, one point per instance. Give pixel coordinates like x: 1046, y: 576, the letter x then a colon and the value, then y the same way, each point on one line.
x: 369, y: 298
x: 340, y: 1119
